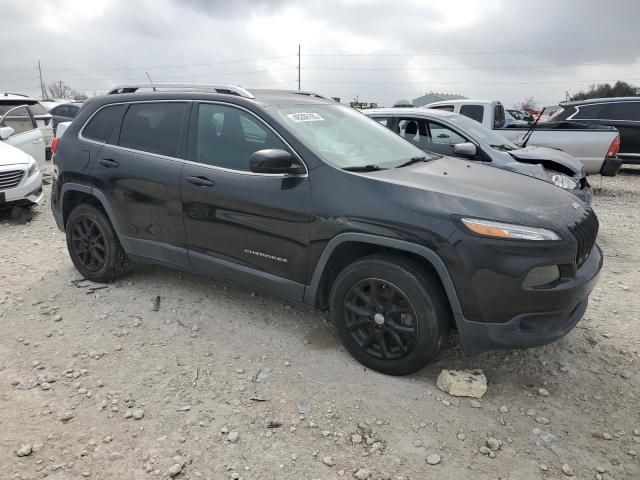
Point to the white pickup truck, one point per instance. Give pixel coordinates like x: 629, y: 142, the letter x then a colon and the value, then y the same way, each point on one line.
x: 595, y: 146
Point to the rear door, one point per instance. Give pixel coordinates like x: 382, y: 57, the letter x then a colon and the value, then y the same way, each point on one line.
x: 138, y: 173
x: 252, y: 228
x: 27, y: 136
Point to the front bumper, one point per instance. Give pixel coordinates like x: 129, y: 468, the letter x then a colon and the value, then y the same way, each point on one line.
x: 565, y: 302
x: 28, y: 192
x: 585, y: 194
x: 610, y: 166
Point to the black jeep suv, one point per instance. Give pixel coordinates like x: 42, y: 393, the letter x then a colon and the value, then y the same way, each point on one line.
x: 293, y: 193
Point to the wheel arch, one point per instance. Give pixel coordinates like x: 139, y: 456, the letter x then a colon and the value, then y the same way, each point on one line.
x: 73, y: 194
x: 347, y: 247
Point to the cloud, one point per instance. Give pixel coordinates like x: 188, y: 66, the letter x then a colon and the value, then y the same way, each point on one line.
x: 378, y: 51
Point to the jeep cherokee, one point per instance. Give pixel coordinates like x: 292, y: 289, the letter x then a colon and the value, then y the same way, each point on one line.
x: 293, y: 193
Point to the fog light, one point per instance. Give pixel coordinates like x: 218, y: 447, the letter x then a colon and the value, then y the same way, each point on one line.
x: 541, y: 276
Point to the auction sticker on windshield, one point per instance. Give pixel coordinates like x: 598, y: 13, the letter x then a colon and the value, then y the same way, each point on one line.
x: 305, y: 117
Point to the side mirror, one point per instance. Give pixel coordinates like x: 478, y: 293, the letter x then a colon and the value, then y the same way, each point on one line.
x: 274, y: 161
x: 466, y: 149
x: 6, y: 132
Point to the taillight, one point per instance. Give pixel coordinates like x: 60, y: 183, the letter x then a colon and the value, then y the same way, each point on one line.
x: 54, y: 144
x: 614, y: 147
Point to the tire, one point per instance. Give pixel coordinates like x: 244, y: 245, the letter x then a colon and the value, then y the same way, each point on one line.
x: 411, y: 309
x: 93, y: 245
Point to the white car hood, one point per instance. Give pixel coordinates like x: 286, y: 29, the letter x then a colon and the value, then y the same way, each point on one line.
x: 10, y: 155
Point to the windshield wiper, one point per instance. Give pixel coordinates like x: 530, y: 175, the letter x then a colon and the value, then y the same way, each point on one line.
x: 364, y: 168
x: 412, y: 161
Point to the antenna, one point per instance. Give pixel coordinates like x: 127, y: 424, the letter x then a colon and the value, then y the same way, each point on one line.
x: 150, y: 81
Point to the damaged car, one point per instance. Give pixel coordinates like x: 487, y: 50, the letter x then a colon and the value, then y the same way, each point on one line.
x: 456, y: 135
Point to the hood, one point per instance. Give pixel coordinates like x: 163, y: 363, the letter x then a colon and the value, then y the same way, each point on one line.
x: 468, y: 188
x: 550, y: 157
x: 10, y: 155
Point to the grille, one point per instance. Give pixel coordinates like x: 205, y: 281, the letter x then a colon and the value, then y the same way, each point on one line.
x: 10, y: 179
x: 586, y: 231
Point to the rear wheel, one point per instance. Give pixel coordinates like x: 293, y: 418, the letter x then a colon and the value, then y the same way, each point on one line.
x: 389, y: 313
x: 93, y: 245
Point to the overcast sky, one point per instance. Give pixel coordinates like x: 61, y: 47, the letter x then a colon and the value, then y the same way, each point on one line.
x: 379, y: 51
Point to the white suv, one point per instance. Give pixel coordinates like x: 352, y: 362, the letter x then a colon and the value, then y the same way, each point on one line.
x: 43, y: 119
x: 20, y: 177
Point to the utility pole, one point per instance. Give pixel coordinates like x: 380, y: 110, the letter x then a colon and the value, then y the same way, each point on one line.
x: 299, y: 67
x: 41, y: 81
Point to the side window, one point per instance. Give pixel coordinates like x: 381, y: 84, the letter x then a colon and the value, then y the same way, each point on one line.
x: 629, y: 111
x: 226, y: 137
x: 62, y: 110
x: 446, y: 108
x: 382, y: 121
x: 153, y: 127
x: 19, y: 119
x: 475, y: 112
x: 100, y: 126
x: 414, y: 130
x: 443, y: 135
x: 589, y: 112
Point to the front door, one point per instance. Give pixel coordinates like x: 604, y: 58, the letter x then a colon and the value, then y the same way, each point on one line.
x: 253, y: 228
x: 27, y: 136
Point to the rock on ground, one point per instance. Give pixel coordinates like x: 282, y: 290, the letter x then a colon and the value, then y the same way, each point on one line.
x: 463, y: 383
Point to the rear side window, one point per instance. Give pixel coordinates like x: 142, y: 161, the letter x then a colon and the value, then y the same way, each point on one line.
x: 153, y: 127
x: 589, y: 112
x: 446, y: 108
x: 474, y: 112
x: 100, y: 126
x: 629, y: 111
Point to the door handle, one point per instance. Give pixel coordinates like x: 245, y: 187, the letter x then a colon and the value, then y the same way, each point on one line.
x: 108, y: 163
x: 200, y: 181
x: 37, y: 140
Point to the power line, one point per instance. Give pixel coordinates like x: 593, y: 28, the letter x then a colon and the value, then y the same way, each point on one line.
x: 463, y: 83
x: 156, y: 67
x: 487, y: 52
x: 508, y: 67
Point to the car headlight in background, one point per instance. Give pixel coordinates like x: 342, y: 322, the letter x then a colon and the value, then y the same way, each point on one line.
x: 33, y: 169
x: 563, y: 181
x: 508, y: 231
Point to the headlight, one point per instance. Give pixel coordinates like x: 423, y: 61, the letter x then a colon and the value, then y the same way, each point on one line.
x: 508, y: 231
x: 563, y: 181
x: 33, y: 169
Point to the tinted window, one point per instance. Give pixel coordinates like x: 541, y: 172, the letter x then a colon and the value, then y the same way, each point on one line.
x: 153, y: 127
x: 99, y: 127
x: 498, y: 116
x: 19, y: 119
x: 226, y: 137
x: 38, y: 109
x: 623, y: 111
x: 589, y: 111
x: 473, y: 111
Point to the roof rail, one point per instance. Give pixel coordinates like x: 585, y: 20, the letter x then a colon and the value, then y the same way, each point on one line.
x: 311, y: 94
x: 229, y: 89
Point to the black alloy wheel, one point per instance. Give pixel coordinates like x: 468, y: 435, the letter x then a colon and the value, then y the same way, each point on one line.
x: 381, y: 319
x: 390, y: 313
x: 93, y: 244
x: 89, y: 244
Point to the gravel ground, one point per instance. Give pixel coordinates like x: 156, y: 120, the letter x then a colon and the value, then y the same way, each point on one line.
x: 223, y: 382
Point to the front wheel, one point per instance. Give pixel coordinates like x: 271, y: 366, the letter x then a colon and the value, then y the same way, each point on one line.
x: 390, y: 313
x: 93, y: 245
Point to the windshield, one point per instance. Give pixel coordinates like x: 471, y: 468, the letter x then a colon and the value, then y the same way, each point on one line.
x: 478, y: 131
x: 345, y: 137
x: 35, y: 107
